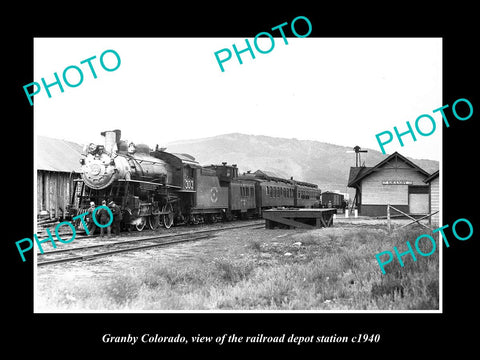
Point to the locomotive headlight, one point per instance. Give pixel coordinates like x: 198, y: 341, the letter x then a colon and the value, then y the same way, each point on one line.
x: 82, y: 161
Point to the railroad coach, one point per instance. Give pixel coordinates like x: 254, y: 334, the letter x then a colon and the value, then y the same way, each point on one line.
x: 271, y: 191
x: 306, y: 195
x: 274, y: 193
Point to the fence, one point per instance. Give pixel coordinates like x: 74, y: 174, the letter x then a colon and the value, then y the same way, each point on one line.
x: 389, y: 221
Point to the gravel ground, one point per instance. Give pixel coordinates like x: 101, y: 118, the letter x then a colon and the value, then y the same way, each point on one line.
x: 102, y: 268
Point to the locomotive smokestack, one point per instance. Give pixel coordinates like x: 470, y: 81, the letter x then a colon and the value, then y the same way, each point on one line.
x: 112, y: 138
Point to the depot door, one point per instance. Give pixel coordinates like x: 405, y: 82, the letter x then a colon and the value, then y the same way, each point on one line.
x: 418, y: 199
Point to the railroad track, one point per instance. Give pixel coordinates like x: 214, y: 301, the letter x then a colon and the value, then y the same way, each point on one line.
x: 83, y: 253
x: 42, y: 234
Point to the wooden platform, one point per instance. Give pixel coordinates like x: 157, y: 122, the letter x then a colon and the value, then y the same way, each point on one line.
x: 298, y: 218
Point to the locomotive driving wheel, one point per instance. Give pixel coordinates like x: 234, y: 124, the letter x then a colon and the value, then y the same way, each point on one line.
x: 168, y: 218
x: 154, y: 222
x: 141, y: 224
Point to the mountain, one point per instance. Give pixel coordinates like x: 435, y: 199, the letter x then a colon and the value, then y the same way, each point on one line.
x: 325, y: 164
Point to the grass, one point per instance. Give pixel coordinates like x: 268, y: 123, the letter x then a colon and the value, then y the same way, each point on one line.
x: 332, y: 268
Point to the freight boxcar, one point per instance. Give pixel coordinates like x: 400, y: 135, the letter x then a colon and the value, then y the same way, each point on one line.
x: 333, y: 200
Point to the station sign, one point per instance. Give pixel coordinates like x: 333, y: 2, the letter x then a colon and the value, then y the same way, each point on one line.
x: 397, y: 182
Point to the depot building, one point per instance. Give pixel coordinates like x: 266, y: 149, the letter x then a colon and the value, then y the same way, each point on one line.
x: 396, y: 181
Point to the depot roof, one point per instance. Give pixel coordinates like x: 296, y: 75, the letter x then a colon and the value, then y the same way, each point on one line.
x: 431, y: 177
x: 359, y: 173
x: 58, y: 155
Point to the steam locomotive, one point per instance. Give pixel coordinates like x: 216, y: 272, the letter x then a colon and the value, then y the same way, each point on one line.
x: 159, y: 188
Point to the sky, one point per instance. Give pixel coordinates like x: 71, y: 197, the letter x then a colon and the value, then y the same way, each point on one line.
x: 342, y: 91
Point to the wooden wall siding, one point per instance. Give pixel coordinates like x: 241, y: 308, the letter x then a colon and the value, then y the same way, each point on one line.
x: 435, y: 200
x: 384, y: 194
x: 53, y: 192
x: 374, y: 192
x: 39, y: 190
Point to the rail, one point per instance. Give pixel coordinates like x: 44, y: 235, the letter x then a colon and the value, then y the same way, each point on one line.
x: 85, y: 252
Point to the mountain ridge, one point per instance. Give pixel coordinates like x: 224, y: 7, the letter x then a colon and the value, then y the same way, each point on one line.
x: 322, y: 163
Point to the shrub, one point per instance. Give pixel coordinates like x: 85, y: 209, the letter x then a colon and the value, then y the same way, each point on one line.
x: 232, y: 271
x: 122, y: 288
x: 175, y: 275
x: 255, y: 245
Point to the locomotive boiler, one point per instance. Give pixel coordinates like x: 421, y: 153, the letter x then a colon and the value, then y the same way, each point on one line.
x: 104, y: 164
x: 130, y: 176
